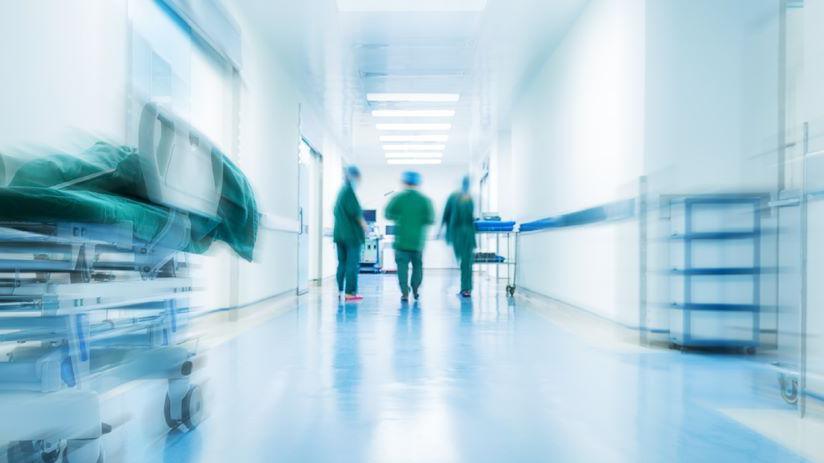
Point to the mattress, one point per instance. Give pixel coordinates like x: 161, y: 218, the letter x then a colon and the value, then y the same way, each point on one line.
x: 105, y: 184
x: 47, y: 205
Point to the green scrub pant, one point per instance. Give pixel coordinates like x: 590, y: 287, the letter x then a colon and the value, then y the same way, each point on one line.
x: 466, y: 256
x: 403, y: 259
x: 348, y: 265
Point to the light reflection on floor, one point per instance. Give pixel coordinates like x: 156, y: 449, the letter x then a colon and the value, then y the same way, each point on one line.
x: 445, y: 380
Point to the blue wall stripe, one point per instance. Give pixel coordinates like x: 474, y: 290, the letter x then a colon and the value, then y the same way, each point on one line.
x: 618, y: 210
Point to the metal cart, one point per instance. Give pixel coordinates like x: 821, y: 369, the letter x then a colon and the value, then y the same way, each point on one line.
x: 504, y: 235
x: 715, y: 280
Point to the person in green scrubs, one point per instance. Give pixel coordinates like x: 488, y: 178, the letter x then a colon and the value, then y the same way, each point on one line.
x: 412, y: 213
x: 459, y: 220
x: 349, y: 235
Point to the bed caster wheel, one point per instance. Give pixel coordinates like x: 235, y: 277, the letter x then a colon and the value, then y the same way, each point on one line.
x: 789, y: 389
x: 510, y: 289
x: 191, y: 410
x: 83, y: 451
x: 32, y: 451
x: 750, y: 350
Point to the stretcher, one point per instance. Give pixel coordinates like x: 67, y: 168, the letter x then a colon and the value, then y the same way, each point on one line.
x: 95, y: 286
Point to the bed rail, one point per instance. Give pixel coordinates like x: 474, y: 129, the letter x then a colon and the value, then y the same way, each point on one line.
x: 182, y: 168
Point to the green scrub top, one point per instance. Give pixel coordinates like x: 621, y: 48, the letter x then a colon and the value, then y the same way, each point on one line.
x: 348, y: 216
x: 459, y: 219
x: 412, y: 212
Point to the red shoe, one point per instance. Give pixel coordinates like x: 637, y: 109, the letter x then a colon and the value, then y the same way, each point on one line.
x: 353, y: 298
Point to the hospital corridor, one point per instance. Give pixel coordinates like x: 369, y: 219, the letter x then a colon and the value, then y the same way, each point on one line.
x: 411, y: 231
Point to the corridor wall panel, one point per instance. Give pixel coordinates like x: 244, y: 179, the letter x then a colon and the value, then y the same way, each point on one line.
x: 577, y: 141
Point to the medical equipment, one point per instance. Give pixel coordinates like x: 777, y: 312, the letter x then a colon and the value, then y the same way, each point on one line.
x: 505, y: 231
x: 370, y: 261
x: 95, y: 286
x: 371, y: 255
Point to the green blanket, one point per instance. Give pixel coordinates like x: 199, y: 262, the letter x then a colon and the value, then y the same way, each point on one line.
x: 114, y: 191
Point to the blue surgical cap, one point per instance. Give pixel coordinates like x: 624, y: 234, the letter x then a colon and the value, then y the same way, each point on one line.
x: 465, y: 183
x: 352, y: 172
x: 411, y: 178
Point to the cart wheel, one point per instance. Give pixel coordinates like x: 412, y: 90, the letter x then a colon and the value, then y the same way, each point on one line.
x: 191, y: 410
x: 750, y: 350
x: 167, y: 413
x: 789, y: 389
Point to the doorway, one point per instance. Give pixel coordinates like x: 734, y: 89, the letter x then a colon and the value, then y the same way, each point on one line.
x: 310, y: 217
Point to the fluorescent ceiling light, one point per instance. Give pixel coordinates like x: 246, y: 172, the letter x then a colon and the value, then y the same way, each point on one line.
x: 410, y: 5
x: 410, y: 147
x: 410, y: 162
x: 414, y: 154
x: 415, y: 138
x: 414, y: 97
x: 413, y: 113
x: 407, y: 127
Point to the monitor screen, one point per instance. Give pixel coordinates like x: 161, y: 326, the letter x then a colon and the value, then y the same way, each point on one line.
x: 369, y: 215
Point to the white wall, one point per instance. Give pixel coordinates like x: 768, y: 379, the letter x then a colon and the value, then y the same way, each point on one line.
x: 64, y: 74
x: 333, y: 163
x: 577, y: 141
x: 269, y: 138
x: 712, y: 95
x: 438, y: 183
x: 275, y: 113
x: 685, y: 93
x: 577, y: 132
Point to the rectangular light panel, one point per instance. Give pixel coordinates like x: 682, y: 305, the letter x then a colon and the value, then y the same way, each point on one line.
x: 415, y: 127
x: 413, y: 147
x: 414, y: 97
x: 413, y: 113
x: 413, y: 154
x: 410, y: 5
x: 415, y: 138
x: 410, y: 162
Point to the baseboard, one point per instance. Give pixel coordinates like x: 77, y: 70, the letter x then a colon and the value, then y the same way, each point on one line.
x: 555, y: 300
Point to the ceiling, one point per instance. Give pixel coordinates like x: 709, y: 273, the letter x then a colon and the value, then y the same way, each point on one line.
x: 483, y: 50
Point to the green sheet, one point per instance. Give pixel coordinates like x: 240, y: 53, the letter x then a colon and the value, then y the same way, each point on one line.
x: 47, y: 205
x: 117, y: 175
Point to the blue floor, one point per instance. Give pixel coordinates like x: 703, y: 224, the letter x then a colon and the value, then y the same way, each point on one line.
x: 452, y: 381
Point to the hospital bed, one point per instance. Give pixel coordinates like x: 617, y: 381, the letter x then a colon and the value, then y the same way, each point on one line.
x: 95, y: 286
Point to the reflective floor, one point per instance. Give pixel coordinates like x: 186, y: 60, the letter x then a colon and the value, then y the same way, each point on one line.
x: 446, y: 380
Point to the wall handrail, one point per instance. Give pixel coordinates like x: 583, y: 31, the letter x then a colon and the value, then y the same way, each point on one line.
x: 273, y: 222
x: 608, y: 212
